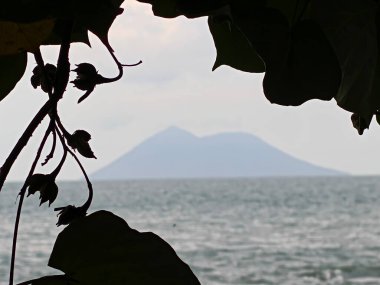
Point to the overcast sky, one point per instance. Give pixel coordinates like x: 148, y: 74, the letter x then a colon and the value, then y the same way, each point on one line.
x: 176, y: 87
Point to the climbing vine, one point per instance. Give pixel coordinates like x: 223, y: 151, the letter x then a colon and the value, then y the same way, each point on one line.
x: 308, y: 49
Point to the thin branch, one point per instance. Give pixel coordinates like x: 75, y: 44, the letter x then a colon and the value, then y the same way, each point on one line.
x: 63, y: 64
x: 87, y: 204
x: 63, y: 159
x: 22, y: 195
x: 66, y: 134
x: 23, y: 140
x: 41, y: 64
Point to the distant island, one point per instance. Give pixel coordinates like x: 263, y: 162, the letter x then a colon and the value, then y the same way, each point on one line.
x: 176, y: 153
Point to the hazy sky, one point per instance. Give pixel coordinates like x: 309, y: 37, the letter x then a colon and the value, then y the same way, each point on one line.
x: 176, y: 87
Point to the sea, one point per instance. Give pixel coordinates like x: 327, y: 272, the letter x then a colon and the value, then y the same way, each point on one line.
x: 268, y: 231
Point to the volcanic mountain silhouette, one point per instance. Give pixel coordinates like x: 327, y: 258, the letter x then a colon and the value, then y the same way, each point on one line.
x: 175, y: 153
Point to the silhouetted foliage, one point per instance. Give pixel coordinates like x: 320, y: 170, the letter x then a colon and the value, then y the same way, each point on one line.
x: 308, y: 49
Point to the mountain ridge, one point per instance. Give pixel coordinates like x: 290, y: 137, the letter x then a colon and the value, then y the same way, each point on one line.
x: 176, y: 153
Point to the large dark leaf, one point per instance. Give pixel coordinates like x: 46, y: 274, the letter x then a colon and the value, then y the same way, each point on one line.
x: 232, y: 47
x: 190, y: 9
x: 16, y: 37
x: 102, y: 249
x: 96, y: 16
x: 350, y: 26
x: 79, y: 34
x: 12, y: 68
x: 311, y: 70
x: 300, y: 63
x: 53, y: 280
x: 27, y: 11
x: 291, y: 9
x: 163, y: 8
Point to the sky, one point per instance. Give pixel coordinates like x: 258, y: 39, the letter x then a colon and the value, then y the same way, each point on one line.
x: 176, y: 87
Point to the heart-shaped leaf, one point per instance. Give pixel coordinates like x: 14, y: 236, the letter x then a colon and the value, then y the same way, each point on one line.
x: 102, y: 249
x: 300, y: 63
x: 350, y: 27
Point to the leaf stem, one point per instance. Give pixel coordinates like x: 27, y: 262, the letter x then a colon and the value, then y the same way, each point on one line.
x: 19, y: 208
x: 87, y: 204
x: 119, y: 66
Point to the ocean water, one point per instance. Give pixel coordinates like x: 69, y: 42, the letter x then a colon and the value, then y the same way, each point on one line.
x: 280, y: 231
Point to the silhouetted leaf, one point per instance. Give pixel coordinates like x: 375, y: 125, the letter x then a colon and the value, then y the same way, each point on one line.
x: 102, y: 249
x: 378, y: 117
x: 200, y: 8
x: 291, y: 9
x: 12, y: 68
x: 232, y: 46
x: 190, y: 9
x: 45, y: 184
x: 18, y: 37
x: 27, y: 11
x: 54, y: 280
x: 351, y: 29
x: 300, y: 63
x: 78, y: 34
x: 311, y: 70
x: 96, y: 16
x: 359, y: 123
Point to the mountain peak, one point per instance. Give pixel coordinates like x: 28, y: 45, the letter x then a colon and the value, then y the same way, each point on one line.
x: 172, y: 134
x: 176, y: 153
x: 175, y: 131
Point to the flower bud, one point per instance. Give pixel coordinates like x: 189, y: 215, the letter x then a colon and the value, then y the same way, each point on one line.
x: 86, y: 80
x: 68, y: 214
x: 38, y: 78
x: 79, y: 141
x: 45, y: 184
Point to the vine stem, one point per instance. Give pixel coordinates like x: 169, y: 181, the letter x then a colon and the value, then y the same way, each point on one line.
x: 62, y: 79
x: 87, y: 204
x: 22, y: 196
x: 23, y: 140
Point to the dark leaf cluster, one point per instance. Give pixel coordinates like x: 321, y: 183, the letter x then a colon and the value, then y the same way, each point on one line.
x: 26, y: 25
x: 308, y: 49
